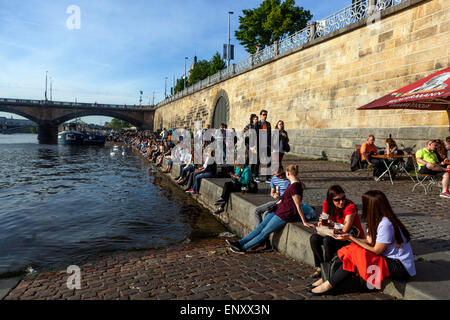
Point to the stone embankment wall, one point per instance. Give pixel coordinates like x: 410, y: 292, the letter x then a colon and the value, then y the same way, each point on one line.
x: 317, y: 88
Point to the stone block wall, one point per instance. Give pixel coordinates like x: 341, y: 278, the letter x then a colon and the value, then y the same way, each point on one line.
x: 317, y: 89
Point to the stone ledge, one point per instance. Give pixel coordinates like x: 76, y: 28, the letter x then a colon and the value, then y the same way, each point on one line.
x: 293, y: 239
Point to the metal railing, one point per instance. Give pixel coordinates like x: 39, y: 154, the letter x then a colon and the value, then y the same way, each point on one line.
x: 356, y: 12
x: 38, y: 103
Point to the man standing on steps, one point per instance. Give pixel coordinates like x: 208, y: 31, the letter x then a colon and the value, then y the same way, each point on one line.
x: 264, y: 127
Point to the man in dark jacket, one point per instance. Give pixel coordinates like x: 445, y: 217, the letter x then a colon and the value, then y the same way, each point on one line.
x: 263, y: 124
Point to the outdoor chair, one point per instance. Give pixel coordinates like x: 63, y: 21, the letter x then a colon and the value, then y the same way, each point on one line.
x: 421, y: 178
x: 364, y: 169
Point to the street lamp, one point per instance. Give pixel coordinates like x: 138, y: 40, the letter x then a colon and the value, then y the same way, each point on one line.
x: 46, y: 74
x: 229, y: 39
x: 185, y: 59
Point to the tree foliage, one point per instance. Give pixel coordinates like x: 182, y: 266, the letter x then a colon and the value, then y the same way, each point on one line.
x: 201, y: 71
x: 117, y: 124
x: 216, y: 64
x: 271, y: 22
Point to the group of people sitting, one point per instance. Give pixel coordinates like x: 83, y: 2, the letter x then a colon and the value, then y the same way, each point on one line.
x: 384, y: 244
x: 433, y: 159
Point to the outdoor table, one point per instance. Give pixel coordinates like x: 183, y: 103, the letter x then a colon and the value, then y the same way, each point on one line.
x: 389, y: 164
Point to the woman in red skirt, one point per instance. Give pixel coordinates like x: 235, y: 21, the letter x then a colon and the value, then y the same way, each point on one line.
x: 386, y: 250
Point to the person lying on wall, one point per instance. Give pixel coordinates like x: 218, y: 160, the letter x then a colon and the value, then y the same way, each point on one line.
x: 288, y: 210
x: 385, y: 250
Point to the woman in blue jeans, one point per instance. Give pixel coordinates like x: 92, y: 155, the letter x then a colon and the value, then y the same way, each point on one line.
x: 207, y: 171
x: 288, y: 210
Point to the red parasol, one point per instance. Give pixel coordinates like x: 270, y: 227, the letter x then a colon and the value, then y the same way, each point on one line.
x: 430, y: 93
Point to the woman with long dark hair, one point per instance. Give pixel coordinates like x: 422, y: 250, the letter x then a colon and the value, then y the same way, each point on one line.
x: 386, y: 251
x: 339, y: 210
x: 252, y: 149
x: 284, y: 141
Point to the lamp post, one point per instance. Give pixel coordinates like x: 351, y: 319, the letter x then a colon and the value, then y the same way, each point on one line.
x: 229, y: 39
x: 51, y: 89
x: 185, y: 59
x: 165, y: 88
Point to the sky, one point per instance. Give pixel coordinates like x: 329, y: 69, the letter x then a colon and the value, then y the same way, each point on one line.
x: 119, y: 47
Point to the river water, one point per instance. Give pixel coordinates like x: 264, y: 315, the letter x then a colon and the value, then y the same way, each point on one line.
x: 65, y: 205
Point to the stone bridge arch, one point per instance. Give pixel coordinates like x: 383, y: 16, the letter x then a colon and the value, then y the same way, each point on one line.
x: 19, y: 113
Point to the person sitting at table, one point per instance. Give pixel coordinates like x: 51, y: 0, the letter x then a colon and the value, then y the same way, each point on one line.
x: 241, y: 178
x: 391, y: 147
x: 368, y: 149
x: 386, y: 246
x: 288, y: 210
x: 441, y: 152
x: 429, y: 164
x: 339, y: 210
x: 447, y: 147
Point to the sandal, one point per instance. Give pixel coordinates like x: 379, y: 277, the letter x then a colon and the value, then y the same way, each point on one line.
x: 316, y: 275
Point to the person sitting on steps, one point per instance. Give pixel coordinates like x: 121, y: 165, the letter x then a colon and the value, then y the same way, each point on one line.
x: 288, y: 210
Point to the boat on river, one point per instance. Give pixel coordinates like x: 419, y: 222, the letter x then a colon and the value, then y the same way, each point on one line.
x: 73, y: 136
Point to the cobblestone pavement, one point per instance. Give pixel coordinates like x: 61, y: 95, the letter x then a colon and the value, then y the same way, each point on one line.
x: 206, y: 270
x: 202, y: 270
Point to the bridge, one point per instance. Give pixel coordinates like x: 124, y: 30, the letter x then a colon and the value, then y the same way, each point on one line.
x: 48, y: 115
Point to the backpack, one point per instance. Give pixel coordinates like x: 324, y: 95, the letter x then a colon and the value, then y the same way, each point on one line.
x: 355, y: 161
x: 252, y: 187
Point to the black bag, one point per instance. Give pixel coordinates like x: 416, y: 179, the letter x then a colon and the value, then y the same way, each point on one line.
x: 355, y: 161
x: 252, y: 187
x: 349, y: 285
x: 327, y: 269
x: 287, y: 147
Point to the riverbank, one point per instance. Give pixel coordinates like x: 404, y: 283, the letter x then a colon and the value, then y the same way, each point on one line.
x: 202, y: 269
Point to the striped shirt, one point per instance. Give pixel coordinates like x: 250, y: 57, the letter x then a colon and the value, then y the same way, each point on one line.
x: 282, y: 182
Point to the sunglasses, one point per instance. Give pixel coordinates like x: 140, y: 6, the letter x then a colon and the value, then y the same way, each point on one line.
x: 340, y: 199
x: 264, y: 114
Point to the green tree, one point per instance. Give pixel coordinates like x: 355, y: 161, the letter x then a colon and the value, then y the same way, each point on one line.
x: 180, y: 85
x: 216, y: 64
x: 270, y: 22
x: 199, y: 72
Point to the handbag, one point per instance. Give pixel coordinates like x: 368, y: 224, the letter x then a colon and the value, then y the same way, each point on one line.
x: 350, y: 285
x: 287, y: 147
x: 252, y: 187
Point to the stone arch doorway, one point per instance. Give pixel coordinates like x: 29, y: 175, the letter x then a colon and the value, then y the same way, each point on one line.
x: 221, y: 110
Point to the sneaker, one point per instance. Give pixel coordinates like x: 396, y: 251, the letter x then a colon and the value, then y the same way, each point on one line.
x: 445, y: 195
x: 257, y: 180
x: 219, y: 211
x: 233, y: 243
x: 190, y: 191
x: 219, y: 202
x: 268, y: 181
x: 237, y: 250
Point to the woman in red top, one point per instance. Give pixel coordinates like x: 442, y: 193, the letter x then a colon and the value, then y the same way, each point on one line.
x: 339, y: 210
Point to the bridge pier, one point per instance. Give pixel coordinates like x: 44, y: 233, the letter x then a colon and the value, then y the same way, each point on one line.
x: 48, y: 134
